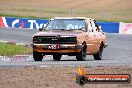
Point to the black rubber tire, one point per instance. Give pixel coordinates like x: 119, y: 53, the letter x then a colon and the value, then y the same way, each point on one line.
x: 37, y: 56
x: 81, y: 80
x: 98, y: 56
x: 81, y: 56
x: 57, y: 57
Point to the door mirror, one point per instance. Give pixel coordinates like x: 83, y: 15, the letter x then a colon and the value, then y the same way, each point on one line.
x: 102, y: 32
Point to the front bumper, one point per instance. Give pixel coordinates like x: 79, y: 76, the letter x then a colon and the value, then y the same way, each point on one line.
x: 64, y: 48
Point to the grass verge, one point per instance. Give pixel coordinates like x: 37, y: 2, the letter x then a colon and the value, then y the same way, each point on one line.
x: 47, y: 18
x: 18, y: 16
x: 11, y: 49
x: 102, y: 10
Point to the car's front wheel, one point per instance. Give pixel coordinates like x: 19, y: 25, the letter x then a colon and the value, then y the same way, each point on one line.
x: 81, y: 56
x: 57, y: 57
x: 98, y: 56
x: 37, y: 56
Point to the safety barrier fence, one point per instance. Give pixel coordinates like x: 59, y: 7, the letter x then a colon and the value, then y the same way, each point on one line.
x: 110, y: 27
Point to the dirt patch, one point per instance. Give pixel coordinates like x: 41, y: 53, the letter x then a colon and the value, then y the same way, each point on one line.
x: 56, y: 77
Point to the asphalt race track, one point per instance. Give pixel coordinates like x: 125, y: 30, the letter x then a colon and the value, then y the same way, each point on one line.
x: 119, y: 51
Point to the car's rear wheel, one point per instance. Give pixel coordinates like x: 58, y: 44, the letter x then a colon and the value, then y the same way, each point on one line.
x: 57, y: 57
x: 81, y: 56
x: 98, y: 56
x: 37, y: 56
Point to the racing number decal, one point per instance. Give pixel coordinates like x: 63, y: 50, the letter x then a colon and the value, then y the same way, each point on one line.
x: 54, y: 47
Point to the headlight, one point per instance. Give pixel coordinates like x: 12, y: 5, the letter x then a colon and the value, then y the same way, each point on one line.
x: 36, y: 39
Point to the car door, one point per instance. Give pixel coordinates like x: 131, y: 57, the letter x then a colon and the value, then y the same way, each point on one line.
x: 97, y: 34
x: 92, y: 40
x: 101, y: 34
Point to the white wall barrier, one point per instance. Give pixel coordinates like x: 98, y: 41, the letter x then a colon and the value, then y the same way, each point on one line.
x: 125, y: 28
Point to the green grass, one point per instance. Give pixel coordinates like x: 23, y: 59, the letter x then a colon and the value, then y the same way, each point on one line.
x: 45, y: 10
x: 47, y: 13
x: 35, y: 17
x: 18, y: 16
x: 102, y: 10
x: 11, y: 49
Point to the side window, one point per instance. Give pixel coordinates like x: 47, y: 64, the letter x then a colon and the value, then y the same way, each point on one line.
x: 94, y: 26
x: 89, y: 26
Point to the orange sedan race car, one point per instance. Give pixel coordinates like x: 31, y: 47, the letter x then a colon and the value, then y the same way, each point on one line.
x: 73, y: 36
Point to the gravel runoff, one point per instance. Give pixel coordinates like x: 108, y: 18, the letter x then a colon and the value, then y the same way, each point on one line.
x: 56, y: 77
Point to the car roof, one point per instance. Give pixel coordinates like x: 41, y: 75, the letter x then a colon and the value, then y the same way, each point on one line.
x: 71, y: 18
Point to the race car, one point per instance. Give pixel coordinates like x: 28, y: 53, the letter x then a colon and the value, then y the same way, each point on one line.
x: 72, y: 36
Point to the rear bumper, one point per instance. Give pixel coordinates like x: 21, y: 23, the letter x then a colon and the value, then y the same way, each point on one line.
x: 64, y: 48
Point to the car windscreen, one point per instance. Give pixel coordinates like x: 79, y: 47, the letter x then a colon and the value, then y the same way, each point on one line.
x: 66, y: 24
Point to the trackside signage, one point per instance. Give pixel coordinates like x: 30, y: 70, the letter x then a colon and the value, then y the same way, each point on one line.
x: 109, y: 27
x: 22, y: 22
